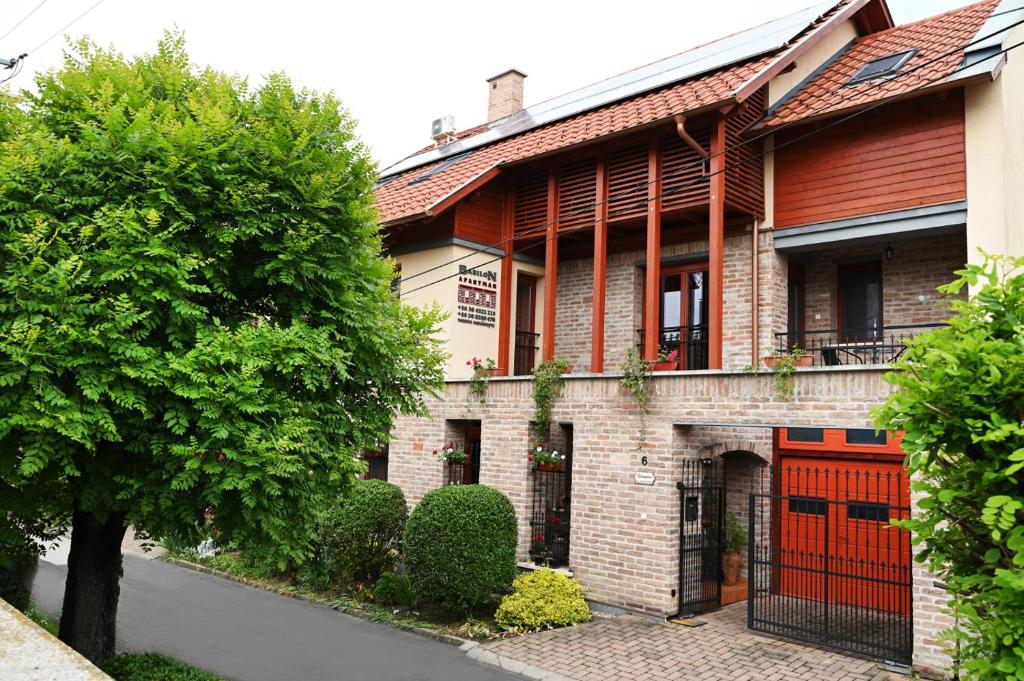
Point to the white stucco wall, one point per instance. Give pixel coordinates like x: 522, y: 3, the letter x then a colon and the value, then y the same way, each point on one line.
x: 821, y: 52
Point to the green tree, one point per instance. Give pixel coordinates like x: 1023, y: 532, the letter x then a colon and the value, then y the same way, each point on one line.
x: 960, y: 403
x: 194, y: 311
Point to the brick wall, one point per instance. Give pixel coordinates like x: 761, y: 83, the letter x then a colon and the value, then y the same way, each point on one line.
x: 909, y: 280
x: 624, y: 303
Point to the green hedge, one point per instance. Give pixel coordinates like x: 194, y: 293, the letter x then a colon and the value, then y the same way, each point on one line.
x: 460, y: 546
x: 361, y: 537
x: 153, y: 667
x: 543, y: 599
x: 392, y: 589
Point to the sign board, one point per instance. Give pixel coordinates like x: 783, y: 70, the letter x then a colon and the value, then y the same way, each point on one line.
x: 644, y: 478
x: 478, y: 297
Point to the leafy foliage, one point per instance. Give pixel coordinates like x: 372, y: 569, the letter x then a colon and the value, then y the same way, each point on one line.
x: 360, y: 537
x: 543, y: 598
x: 392, y: 589
x: 547, y: 385
x: 959, y: 401
x: 734, y: 536
x: 636, y: 379
x: 194, y: 312
x: 153, y: 667
x: 460, y: 546
x: 16, y: 574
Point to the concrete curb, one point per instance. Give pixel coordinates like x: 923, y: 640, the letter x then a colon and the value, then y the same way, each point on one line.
x: 476, y: 651
x: 353, y: 612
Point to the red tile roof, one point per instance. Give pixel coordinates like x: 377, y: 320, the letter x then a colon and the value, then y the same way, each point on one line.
x: 932, y: 37
x: 398, y: 200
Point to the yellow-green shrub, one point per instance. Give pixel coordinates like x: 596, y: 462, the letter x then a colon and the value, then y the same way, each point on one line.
x: 544, y: 598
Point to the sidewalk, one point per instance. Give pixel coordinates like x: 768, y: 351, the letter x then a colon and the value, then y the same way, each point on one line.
x: 641, y: 649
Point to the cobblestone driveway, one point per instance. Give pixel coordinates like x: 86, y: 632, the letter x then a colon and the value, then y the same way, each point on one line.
x: 640, y: 649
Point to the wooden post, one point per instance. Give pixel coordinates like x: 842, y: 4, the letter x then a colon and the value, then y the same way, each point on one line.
x: 652, y: 281
x: 600, y: 269
x: 716, y: 245
x: 550, y: 268
x: 505, y: 284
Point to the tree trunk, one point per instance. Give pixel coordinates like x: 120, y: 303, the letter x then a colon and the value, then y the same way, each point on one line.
x: 89, y: 617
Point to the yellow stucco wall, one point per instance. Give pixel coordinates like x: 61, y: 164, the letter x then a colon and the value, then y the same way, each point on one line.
x: 994, y: 136
x: 809, y: 61
x: 462, y: 340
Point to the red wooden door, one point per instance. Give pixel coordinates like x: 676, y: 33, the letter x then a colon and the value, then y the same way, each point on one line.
x: 835, y: 531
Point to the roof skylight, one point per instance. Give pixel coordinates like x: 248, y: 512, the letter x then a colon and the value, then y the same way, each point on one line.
x: 440, y: 167
x: 883, y: 67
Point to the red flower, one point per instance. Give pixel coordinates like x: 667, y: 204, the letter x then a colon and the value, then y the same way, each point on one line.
x: 530, y: 458
x: 220, y: 457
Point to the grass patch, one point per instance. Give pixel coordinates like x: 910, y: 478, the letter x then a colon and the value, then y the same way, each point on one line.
x: 153, y: 667
x: 479, y: 626
x: 39, y: 617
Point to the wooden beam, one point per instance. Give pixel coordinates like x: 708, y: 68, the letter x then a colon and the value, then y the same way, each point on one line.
x: 550, y: 268
x: 505, y: 283
x: 462, y: 191
x: 600, y: 269
x: 716, y: 244
x: 652, y: 282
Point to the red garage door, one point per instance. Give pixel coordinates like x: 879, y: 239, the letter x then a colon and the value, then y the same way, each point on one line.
x: 835, y: 530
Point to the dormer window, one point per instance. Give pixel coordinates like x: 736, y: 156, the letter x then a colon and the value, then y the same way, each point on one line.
x: 883, y: 67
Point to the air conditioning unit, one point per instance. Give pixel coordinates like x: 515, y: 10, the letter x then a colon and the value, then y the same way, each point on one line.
x: 442, y: 130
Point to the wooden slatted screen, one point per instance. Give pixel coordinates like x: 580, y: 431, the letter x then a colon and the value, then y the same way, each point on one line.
x: 744, y: 177
x: 684, y: 177
x: 627, y: 182
x: 531, y: 205
x: 577, y: 190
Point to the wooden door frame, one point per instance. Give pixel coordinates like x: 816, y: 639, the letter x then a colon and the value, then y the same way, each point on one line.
x: 666, y: 271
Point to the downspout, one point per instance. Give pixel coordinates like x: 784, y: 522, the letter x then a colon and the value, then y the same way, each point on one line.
x: 754, y: 294
x: 685, y: 136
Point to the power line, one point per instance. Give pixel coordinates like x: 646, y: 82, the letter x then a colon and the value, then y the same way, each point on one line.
x: 22, y: 20
x: 801, y: 138
x: 66, y: 26
x: 682, y: 169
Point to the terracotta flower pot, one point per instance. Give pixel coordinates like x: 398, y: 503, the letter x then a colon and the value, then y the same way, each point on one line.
x: 567, y: 370
x: 730, y: 568
x: 803, y: 361
x: 551, y: 467
x: 665, y: 365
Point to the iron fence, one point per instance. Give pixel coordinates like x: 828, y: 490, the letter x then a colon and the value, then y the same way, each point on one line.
x: 468, y: 471
x: 826, y: 563
x: 550, y: 517
x: 702, y: 499
x: 834, y: 347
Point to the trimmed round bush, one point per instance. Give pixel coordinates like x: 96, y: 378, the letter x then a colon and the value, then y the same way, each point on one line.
x: 361, y: 538
x: 392, y: 589
x: 460, y: 546
x: 544, y: 598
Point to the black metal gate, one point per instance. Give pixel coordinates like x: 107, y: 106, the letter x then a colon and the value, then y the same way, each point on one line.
x: 826, y: 564
x: 549, y: 522
x: 702, y: 499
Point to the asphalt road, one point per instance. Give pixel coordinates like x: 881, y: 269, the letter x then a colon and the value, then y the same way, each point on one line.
x: 246, y: 634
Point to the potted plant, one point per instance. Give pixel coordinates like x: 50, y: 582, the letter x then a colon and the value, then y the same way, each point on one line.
x: 545, y: 460
x: 449, y: 454
x: 667, y: 361
x: 733, y: 539
x: 798, y: 357
x: 483, y: 369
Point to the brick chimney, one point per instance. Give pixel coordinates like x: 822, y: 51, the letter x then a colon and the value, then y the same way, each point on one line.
x: 505, y: 94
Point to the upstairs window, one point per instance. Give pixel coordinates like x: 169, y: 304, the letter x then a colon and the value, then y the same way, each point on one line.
x: 883, y: 67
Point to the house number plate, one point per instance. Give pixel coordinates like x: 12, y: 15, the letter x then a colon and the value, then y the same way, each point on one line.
x: 644, y: 478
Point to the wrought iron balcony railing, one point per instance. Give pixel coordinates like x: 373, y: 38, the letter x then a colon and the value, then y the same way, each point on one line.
x: 690, y: 342
x: 837, y: 347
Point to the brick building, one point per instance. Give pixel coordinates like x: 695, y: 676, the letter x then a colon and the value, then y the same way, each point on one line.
x: 804, y: 184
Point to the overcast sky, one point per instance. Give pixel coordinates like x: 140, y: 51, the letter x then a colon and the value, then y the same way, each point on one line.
x: 398, y: 65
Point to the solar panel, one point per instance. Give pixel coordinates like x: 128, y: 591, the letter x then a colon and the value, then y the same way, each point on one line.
x: 704, y: 59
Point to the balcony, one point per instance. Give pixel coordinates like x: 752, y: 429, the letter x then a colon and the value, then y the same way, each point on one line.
x: 841, y: 347
x: 689, y: 342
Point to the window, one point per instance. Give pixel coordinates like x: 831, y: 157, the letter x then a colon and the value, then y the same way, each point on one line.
x: 860, y: 301
x: 863, y: 510
x: 526, y: 335
x: 440, y: 167
x: 683, y: 314
x: 864, y: 436
x: 805, y: 434
x: 883, y: 67
x: 812, y: 505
